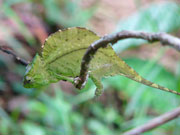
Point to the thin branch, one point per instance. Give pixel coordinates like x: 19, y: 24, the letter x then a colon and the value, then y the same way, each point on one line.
x: 164, y: 38
x: 155, y: 122
x: 17, y: 58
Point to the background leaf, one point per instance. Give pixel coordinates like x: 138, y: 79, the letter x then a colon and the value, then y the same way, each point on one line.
x: 162, y: 17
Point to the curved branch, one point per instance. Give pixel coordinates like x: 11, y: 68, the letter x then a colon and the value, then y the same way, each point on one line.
x: 155, y: 122
x: 17, y: 58
x: 164, y: 38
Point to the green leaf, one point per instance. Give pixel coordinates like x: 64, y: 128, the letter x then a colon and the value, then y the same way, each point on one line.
x: 162, y: 17
x: 67, y: 13
x: 31, y: 128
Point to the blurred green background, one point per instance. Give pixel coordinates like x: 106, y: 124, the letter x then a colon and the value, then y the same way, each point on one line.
x: 60, y: 109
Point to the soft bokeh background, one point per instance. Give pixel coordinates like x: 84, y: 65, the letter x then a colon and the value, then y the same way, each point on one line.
x: 60, y: 109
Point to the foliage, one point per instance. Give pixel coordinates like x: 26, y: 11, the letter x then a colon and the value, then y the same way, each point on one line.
x: 125, y: 104
x: 156, y: 18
